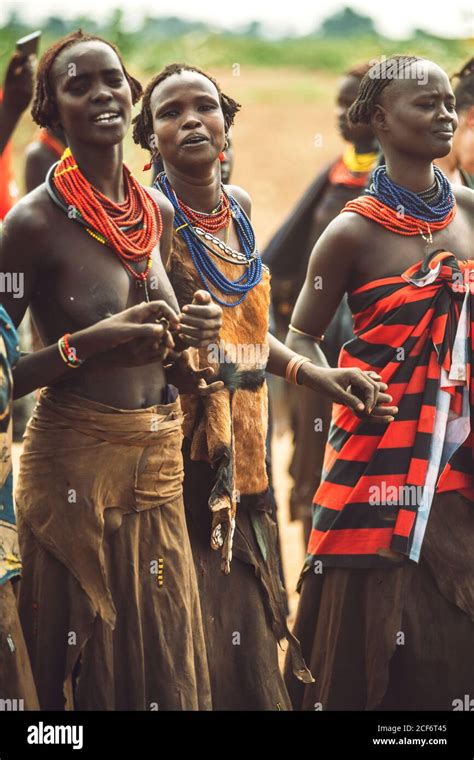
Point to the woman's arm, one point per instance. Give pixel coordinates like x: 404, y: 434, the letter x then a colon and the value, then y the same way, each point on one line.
x: 135, y: 330
x: 327, y: 279
x: 17, y: 93
x: 356, y: 389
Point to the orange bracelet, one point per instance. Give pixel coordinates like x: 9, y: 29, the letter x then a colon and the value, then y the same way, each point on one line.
x: 293, y: 366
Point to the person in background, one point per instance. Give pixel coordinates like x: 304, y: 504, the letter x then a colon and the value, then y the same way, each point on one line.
x: 17, y: 93
x: 458, y: 165
x: 47, y: 148
x: 14, y: 99
x: 16, y: 678
x: 17, y: 688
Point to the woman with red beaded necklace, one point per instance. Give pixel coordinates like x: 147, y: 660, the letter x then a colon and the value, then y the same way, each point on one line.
x: 185, y: 116
x: 108, y: 601
x: 386, y: 612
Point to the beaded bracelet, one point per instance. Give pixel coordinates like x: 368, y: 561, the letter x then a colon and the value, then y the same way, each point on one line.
x: 68, y: 354
x: 293, y: 366
x: 316, y: 338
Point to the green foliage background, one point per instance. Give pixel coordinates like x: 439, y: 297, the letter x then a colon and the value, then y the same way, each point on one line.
x: 343, y: 40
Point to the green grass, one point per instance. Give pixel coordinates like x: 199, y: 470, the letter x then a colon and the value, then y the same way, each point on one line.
x: 217, y: 51
x: 145, y: 52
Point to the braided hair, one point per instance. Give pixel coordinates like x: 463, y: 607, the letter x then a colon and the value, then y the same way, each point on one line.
x: 464, y: 89
x: 378, y: 77
x: 44, y: 109
x: 143, y: 122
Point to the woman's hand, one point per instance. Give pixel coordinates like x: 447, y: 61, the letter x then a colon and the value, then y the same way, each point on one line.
x: 134, y: 337
x: 201, y: 321
x: 189, y: 380
x: 139, y: 335
x: 361, y: 391
x: 379, y: 413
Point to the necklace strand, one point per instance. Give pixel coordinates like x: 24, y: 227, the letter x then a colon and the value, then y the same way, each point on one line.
x: 132, y: 228
x: 414, y: 205
x: 213, y: 222
x: 197, y: 243
x: 401, y: 210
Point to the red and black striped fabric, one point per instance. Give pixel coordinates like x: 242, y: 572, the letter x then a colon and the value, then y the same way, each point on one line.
x: 416, y: 330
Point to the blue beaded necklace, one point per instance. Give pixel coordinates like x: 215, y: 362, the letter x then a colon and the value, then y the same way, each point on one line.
x: 395, y: 196
x: 202, y: 253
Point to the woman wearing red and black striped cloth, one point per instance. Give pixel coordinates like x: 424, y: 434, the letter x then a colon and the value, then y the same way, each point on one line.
x: 386, y: 612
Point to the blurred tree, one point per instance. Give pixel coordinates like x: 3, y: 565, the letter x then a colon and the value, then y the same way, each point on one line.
x: 14, y: 22
x: 168, y: 27
x: 114, y: 31
x: 85, y: 23
x: 55, y: 26
x: 348, y: 23
x: 253, y: 30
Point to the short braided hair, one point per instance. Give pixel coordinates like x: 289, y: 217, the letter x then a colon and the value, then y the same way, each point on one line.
x: 44, y: 108
x: 373, y: 83
x: 464, y: 89
x: 143, y: 122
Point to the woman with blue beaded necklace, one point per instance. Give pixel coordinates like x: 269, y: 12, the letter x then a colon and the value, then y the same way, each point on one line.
x: 184, y: 119
x: 386, y: 612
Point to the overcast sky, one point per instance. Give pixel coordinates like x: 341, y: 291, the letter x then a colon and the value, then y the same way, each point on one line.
x: 397, y: 18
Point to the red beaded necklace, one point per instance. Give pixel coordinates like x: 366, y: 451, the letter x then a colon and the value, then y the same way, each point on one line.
x: 132, y: 229
x: 378, y: 212
x: 213, y: 222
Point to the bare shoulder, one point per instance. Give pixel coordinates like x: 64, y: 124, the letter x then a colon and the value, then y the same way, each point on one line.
x: 34, y: 151
x: 347, y: 235
x: 241, y: 196
x: 31, y: 218
x: 464, y: 198
x: 165, y: 206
